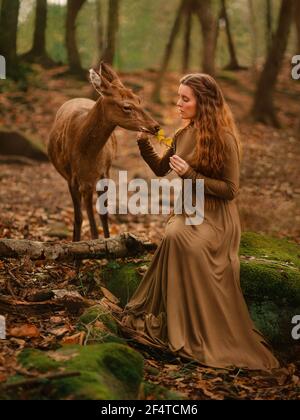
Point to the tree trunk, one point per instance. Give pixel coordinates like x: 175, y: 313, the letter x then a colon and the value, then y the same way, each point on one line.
x: 263, y: 107
x: 269, y: 31
x: 233, y: 64
x: 99, y: 33
x: 187, y: 37
x: 38, y: 51
x: 73, y: 8
x: 168, y: 52
x: 123, y: 246
x: 254, y: 35
x: 39, y: 38
x: 209, y: 31
x: 297, y: 21
x: 8, y: 35
x: 112, y: 30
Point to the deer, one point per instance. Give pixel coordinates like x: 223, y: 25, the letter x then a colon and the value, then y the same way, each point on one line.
x: 81, y: 144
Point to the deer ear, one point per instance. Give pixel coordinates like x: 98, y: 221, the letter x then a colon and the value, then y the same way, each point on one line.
x: 99, y: 82
x: 106, y: 71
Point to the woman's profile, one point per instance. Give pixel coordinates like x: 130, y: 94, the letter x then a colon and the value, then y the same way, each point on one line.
x: 190, y: 301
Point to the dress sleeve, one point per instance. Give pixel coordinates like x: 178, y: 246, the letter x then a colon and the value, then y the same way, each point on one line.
x: 227, y: 187
x: 159, y: 165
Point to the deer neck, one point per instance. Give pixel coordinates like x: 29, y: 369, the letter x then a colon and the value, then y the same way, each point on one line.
x: 96, y: 130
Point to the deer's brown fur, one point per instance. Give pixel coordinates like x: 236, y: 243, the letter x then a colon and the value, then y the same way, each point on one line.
x: 82, y: 145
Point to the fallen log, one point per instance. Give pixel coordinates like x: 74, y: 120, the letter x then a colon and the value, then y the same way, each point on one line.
x: 73, y: 305
x: 124, y: 245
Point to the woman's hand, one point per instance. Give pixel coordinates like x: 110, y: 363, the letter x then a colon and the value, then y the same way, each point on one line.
x: 179, y: 165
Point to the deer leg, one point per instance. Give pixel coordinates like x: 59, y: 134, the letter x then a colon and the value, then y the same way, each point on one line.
x: 88, y: 199
x: 104, y: 218
x: 76, y: 198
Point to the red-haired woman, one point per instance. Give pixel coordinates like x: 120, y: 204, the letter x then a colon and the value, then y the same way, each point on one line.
x: 190, y: 300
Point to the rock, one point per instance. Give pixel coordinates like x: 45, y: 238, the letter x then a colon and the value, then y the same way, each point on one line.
x: 158, y: 392
x: 107, y: 372
x: 99, y: 325
x: 122, y: 279
x: 17, y: 144
x: 270, y: 280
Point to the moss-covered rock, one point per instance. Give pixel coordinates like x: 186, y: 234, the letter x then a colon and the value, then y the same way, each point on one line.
x: 20, y: 144
x: 285, y: 252
x: 107, y: 372
x: 270, y: 280
x: 99, y: 325
x: 158, y: 392
x: 122, y: 279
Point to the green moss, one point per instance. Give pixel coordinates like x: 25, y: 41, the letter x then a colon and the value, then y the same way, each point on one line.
x: 107, y: 371
x: 159, y: 392
x: 117, y: 363
x: 269, y: 248
x: 122, y: 279
x: 273, y: 322
x: 261, y: 281
x: 95, y: 333
x: 98, y: 312
x: 37, y: 360
x: 270, y: 280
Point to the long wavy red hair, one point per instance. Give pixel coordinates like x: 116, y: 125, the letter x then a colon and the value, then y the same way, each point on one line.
x: 213, y: 119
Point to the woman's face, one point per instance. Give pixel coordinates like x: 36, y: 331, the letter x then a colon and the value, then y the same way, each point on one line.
x: 187, y: 102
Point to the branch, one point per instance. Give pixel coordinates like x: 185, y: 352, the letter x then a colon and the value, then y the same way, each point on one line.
x: 125, y: 245
x: 42, y: 379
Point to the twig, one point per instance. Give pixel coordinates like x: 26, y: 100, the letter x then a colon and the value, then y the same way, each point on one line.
x: 39, y: 379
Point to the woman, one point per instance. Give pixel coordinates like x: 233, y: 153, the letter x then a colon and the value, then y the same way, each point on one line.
x: 190, y: 300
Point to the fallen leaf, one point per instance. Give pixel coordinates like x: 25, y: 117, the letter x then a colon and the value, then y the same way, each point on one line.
x: 26, y: 330
x: 112, y: 298
x: 74, y: 339
x: 60, y: 331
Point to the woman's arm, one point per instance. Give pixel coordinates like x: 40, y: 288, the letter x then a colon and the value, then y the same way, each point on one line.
x: 228, y: 187
x: 159, y: 165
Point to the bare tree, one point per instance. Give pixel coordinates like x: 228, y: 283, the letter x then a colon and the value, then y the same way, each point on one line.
x: 208, y: 24
x: 297, y: 22
x: 263, y: 107
x: 168, y: 51
x: 203, y: 10
x: 254, y: 34
x: 269, y: 30
x: 112, y: 30
x: 38, y: 51
x: 8, y: 35
x: 73, y: 8
x: 233, y: 63
x: 187, y: 37
x: 99, y: 32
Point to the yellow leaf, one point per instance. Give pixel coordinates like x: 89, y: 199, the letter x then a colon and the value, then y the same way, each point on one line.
x: 160, y: 135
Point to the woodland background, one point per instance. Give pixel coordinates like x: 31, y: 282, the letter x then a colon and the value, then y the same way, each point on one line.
x: 49, y: 46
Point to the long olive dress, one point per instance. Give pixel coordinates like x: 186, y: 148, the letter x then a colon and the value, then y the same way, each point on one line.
x: 190, y: 301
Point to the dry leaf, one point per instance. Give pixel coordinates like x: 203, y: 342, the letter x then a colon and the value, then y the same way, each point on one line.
x: 112, y: 298
x: 74, y: 339
x: 26, y: 330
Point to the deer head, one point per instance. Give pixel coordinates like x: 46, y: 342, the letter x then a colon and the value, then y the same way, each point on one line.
x: 121, y: 106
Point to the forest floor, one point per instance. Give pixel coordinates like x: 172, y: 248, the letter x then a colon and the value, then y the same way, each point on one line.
x: 35, y: 204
